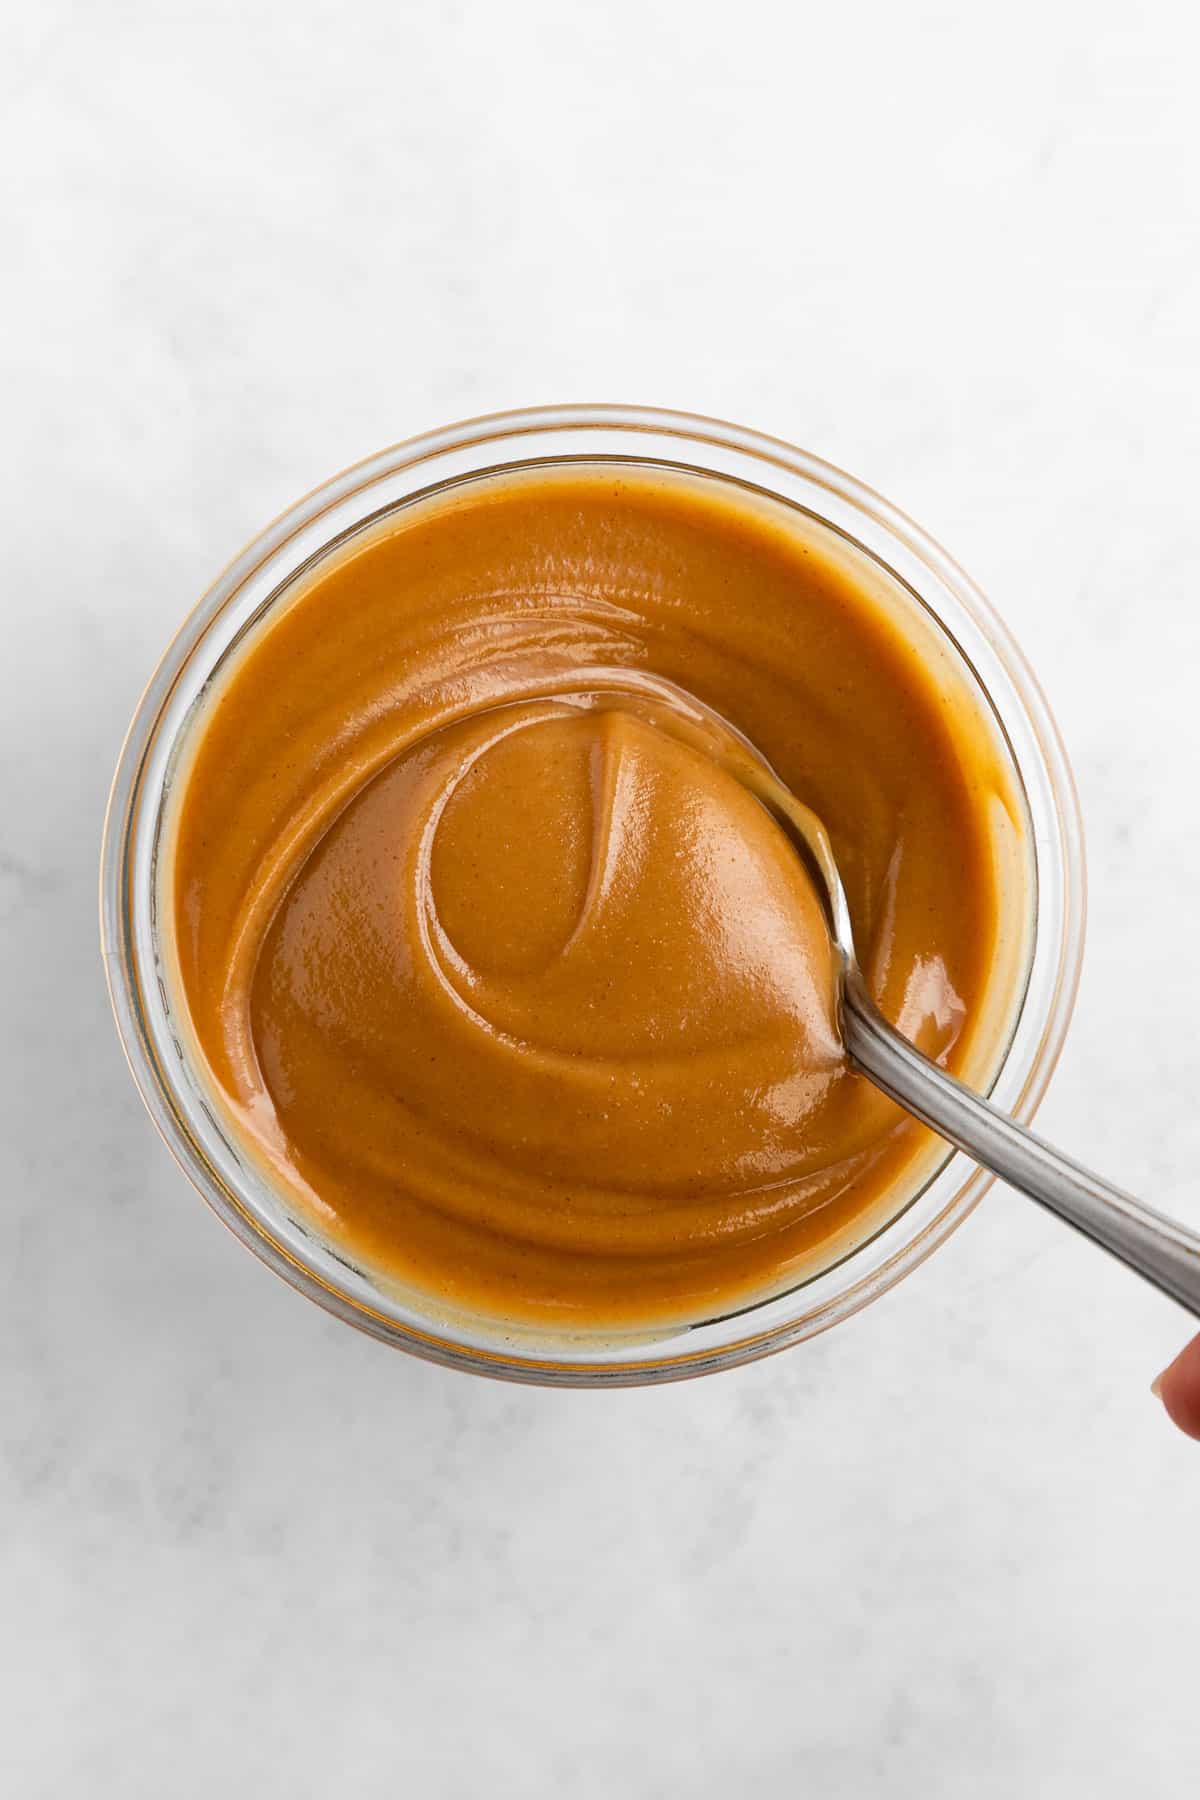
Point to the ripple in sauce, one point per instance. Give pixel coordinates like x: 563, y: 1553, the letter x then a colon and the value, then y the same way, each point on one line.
x: 523, y: 1001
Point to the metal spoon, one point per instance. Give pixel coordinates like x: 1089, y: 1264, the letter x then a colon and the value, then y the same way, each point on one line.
x: 1161, y: 1249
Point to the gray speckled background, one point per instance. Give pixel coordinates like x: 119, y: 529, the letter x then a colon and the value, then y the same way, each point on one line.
x: 950, y: 1549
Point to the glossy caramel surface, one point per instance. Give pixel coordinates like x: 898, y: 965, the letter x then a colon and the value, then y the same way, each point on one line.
x: 523, y: 999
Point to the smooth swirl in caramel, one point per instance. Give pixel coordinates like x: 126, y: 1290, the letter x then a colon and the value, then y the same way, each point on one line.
x: 517, y: 989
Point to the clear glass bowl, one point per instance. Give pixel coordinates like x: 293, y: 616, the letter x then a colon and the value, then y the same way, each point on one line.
x: 174, y: 1093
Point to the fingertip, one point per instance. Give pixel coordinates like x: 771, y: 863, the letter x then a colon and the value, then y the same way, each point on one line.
x: 1178, y: 1387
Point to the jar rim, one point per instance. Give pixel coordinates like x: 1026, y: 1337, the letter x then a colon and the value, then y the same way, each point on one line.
x: 493, y: 443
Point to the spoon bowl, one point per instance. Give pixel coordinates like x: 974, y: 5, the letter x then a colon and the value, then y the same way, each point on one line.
x: 1158, y: 1248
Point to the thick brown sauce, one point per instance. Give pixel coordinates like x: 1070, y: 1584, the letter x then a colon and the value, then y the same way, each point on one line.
x: 531, y: 1010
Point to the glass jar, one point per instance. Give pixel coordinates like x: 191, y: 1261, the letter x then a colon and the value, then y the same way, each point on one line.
x: 130, y: 909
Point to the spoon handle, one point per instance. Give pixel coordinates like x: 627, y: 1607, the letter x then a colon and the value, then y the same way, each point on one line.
x: 1159, y: 1248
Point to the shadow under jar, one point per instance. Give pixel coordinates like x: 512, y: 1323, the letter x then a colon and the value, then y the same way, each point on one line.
x: 389, y: 769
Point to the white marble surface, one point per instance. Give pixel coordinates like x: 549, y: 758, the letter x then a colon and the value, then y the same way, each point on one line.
x: 950, y: 1549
